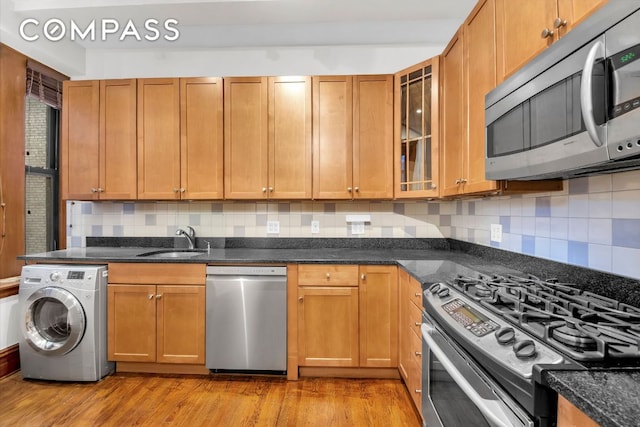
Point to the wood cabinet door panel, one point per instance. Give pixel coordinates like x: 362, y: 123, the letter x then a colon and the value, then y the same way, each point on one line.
x: 180, y: 324
x: 452, y: 115
x: 118, y: 151
x: 480, y: 78
x: 80, y: 139
x: 328, y: 326
x: 519, y: 24
x: 576, y: 11
x: 332, y: 137
x: 201, y: 138
x: 245, y: 137
x: 158, y: 139
x: 131, y: 323
x: 378, y: 305
x: 373, y: 137
x: 290, y: 138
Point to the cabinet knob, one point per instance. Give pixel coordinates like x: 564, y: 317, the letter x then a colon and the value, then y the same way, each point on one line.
x: 464, y: 181
x: 417, y: 294
x: 182, y: 190
x: 264, y: 189
x: 363, y: 276
x: 546, y: 33
x: 349, y: 189
x: 357, y: 189
x: 100, y: 190
x: 328, y: 275
x: 271, y: 189
x: 300, y: 299
x: 94, y: 190
x: 559, y: 23
x: 458, y: 181
x: 418, y: 391
x: 418, y: 353
x: 418, y: 324
x: 175, y: 190
x: 158, y: 296
x: 150, y: 296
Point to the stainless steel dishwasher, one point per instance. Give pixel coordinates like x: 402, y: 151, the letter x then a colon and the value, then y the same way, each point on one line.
x: 246, y: 327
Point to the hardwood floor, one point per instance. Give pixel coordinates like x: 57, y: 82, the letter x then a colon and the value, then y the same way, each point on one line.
x: 141, y: 400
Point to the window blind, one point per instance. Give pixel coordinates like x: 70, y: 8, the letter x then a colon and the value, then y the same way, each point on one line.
x: 45, y: 85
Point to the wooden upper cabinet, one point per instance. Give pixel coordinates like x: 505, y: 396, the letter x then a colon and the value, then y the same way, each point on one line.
x: 98, y: 147
x: 158, y: 139
x: 332, y: 137
x: 373, y: 137
x: 245, y: 137
x: 353, y: 137
x: 480, y: 77
x: 201, y: 138
x: 453, y: 146
x: 118, y: 159
x: 525, y: 28
x: 80, y: 159
x: 416, y: 131
x: 289, y: 139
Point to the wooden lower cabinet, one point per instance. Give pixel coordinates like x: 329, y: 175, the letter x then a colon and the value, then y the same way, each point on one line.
x: 410, y: 336
x: 155, y: 323
x: 347, y: 316
x: 570, y: 416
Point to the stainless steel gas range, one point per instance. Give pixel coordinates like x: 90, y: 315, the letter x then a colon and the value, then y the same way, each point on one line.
x: 488, y: 338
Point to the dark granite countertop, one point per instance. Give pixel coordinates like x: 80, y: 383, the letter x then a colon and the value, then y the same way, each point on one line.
x: 611, y: 398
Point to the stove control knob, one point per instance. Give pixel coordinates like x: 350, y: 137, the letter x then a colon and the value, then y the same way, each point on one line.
x: 443, y: 292
x: 434, y: 288
x: 525, y: 349
x: 505, y: 335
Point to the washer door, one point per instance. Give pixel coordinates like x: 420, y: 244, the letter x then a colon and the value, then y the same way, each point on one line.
x: 54, y: 321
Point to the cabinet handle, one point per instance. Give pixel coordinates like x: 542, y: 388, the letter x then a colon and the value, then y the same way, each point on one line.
x: 559, y: 23
x: 417, y: 294
x: 457, y: 181
x: 546, y: 33
x: 264, y: 189
x: 182, y: 190
x: 175, y: 190
x: 100, y: 190
x: 349, y: 189
x: 270, y: 189
x: 328, y: 275
x: 150, y: 296
x: 158, y: 296
x: 363, y: 277
x: 418, y: 323
x: 94, y: 190
x: 464, y: 181
x: 418, y: 353
x: 418, y: 391
x: 357, y: 189
x: 300, y: 299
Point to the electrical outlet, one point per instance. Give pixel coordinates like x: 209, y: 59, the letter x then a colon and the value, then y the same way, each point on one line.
x: 357, y: 228
x: 496, y: 233
x: 273, y: 227
x: 315, y: 227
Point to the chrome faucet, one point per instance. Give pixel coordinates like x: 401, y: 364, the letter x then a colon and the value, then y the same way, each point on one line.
x: 190, y: 235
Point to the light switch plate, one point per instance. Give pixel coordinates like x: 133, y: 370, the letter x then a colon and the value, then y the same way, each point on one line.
x: 357, y: 228
x: 273, y: 227
x: 496, y: 233
x: 315, y: 227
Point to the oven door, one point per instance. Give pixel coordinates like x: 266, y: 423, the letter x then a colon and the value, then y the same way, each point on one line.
x: 455, y: 392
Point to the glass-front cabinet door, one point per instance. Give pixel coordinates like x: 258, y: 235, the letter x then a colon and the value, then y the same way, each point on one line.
x: 416, y: 131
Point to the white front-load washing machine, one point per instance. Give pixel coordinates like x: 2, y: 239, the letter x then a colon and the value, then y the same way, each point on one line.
x: 63, y: 317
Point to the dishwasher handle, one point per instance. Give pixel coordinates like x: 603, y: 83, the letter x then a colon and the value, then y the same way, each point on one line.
x: 246, y: 270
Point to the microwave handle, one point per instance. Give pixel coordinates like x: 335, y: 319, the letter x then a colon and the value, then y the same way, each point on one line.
x: 488, y: 408
x: 586, y: 102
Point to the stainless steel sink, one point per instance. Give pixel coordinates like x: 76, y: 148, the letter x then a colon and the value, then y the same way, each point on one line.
x: 173, y: 253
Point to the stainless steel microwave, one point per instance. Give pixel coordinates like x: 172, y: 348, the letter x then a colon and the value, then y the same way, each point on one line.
x: 575, y: 109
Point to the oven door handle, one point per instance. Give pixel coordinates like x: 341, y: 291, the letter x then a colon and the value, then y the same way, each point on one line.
x: 492, y: 410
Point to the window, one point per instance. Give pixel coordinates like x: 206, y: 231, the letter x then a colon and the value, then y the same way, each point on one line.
x: 42, y: 125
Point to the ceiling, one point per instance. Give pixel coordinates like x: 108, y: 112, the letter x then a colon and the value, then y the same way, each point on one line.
x: 258, y: 23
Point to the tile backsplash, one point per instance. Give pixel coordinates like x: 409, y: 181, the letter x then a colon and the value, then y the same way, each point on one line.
x: 594, y: 222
